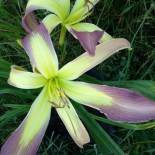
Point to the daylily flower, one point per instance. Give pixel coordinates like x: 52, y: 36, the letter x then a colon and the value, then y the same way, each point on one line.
x: 58, y: 88
x: 88, y: 34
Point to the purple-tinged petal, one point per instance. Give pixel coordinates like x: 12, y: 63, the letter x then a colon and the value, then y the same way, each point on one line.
x: 84, y: 62
x: 25, y: 140
x: 52, y: 6
x: 89, y: 27
x: 88, y: 40
x: 39, y: 47
x: 116, y: 103
x: 29, y: 22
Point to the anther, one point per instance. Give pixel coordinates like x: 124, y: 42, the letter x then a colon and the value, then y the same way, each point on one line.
x: 56, y: 105
x: 63, y: 99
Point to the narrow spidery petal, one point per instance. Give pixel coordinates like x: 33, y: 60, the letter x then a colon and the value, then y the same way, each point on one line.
x: 39, y: 47
x: 83, y: 63
x: 25, y: 140
x: 21, y: 78
x: 116, y: 103
x: 73, y: 125
x: 88, y: 40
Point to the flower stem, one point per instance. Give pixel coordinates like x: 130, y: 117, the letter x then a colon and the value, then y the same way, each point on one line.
x: 62, y: 35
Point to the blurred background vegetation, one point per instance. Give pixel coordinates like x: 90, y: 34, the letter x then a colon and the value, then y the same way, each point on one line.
x: 131, y: 19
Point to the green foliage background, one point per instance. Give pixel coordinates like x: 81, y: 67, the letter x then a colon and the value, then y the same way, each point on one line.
x: 131, y: 19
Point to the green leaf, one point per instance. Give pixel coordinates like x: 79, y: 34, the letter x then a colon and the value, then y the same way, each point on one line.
x: 15, y: 91
x: 127, y: 9
x: 5, y: 65
x: 125, y: 125
x: 103, y: 140
x: 144, y: 87
x: 9, y: 115
x: 4, y: 68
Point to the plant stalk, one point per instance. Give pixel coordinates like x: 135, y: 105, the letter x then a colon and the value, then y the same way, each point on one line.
x: 62, y: 35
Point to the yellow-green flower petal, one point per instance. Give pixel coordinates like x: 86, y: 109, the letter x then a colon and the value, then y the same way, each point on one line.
x: 51, y: 21
x: 84, y: 93
x: 77, y: 6
x: 52, y: 6
x: 65, y: 4
x: 25, y: 140
x: 116, y: 103
x: 83, y: 63
x: 21, y: 78
x: 73, y: 125
x: 40, y: 49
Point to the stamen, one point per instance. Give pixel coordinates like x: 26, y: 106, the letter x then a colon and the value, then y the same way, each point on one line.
x: 56, y: 106
x: 87, y: 2
x: 62, y: 99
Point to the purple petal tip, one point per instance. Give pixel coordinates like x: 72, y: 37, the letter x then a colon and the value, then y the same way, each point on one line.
x: 88, y: 40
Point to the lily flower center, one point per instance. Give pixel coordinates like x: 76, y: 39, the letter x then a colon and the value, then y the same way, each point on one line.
x: 80, y: 14
x: 58, y: 97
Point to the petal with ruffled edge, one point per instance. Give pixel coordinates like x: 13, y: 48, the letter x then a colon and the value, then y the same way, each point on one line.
x: 25, y: 140
x: 118, y: 104
x: 39, y: 47
x: 73, y: 125
x: 51, y: 21
x: 88, y: 27
x: 21, y: 78
x: 83, y: 63
x: 29, y: 22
